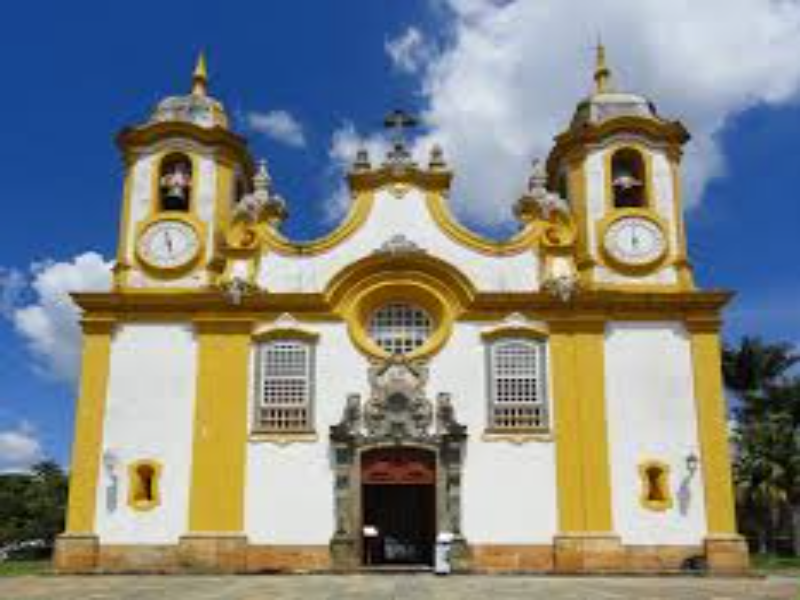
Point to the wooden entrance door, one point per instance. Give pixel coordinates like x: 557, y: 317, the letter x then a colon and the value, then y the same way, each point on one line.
x: 398, y: 506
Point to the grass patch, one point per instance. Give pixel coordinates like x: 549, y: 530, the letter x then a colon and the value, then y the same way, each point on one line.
x: 15, y: 568
x: 772, y: 564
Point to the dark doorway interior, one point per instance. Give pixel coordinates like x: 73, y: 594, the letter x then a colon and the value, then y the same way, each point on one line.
x: 399, y: 504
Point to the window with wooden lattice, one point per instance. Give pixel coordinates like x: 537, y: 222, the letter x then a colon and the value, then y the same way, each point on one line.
x: 285, y: 387
x: 517, y: 385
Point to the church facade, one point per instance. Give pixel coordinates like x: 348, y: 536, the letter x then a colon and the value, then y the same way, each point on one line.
x: 551, y: 402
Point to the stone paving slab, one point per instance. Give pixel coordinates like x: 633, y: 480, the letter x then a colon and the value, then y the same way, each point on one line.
x: 393, y: 587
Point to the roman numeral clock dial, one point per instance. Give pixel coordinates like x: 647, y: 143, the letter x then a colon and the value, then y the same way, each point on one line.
x: 168, y: 245
x: 635, y: 241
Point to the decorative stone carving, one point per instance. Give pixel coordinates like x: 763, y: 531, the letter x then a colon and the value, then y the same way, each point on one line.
x: 397, y: 413
x: 560, y: 278
x: 399, y: 245
x: 236, y: 289
x: 539, y: 201
x: 263, y: 203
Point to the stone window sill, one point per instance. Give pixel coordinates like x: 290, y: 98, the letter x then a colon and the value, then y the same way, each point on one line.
x: 517, y: 436
x: 282, y: 438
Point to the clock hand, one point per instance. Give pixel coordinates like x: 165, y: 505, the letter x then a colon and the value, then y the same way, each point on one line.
x: 168, y: 239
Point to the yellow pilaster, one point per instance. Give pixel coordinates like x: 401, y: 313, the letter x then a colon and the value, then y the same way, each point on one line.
x: 582, y: 459
x: 220, y: 429
x: 88, y: 444
x: 712, y: 428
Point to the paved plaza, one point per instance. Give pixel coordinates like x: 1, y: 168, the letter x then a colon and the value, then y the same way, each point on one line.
x: 392, y: 587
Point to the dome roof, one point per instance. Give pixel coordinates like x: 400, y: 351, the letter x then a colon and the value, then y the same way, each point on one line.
x: 197, y: 107
x: 606, y: 103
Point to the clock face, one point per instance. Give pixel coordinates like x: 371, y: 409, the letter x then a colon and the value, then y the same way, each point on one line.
x: 635, y: 241
x: 168, y: 244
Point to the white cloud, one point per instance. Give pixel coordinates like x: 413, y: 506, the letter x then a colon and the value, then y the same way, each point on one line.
x: 409, y: 51
x: 512, y: 72
x: 19, y: 449
x: 49, y: 323
x: 279, y: 125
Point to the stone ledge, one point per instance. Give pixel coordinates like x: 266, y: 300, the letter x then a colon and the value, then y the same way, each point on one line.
x: 76, y: 553
x: 217, y: 553
x: 727, y: 555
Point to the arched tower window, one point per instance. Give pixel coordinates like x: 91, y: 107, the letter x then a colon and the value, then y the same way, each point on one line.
x: 628, y: 179
x: 175, y: 183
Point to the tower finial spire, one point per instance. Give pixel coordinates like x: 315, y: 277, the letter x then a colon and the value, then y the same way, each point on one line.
x: 602, y: 74
x: 200, y: 76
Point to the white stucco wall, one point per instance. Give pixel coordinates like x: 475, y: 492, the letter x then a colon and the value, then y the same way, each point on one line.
x: 289, y: 497
x: 651, y: 415
x: 149, y: 415
x: 509, y: 490
x: 391, y: 216
x: 509, y: 493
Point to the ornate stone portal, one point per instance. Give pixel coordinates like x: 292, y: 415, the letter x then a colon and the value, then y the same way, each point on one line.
x: 397, y: 414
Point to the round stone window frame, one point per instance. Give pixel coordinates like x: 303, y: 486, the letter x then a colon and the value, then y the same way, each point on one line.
x: 441, y: 310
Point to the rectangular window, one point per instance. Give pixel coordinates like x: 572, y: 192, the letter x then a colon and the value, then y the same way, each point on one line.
x: 518, y: 389
x: 285, y: 392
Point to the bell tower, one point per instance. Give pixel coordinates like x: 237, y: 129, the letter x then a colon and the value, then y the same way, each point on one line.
x: 619, y: 165
x: 184, y: 170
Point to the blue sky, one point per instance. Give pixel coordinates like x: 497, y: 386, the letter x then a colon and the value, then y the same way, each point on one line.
x: 74, y: 74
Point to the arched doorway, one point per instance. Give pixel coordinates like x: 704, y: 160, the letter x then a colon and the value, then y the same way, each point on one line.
x: 398, y: 506
x: 397, y: 459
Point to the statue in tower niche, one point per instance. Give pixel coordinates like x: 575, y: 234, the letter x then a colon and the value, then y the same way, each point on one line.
x: 176, y: 185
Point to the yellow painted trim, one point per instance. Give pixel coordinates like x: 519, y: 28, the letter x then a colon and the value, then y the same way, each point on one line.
x: 284, y: 438
x: 133, y: 477
x: 526, y: 239
x: 681, y: 261
x: 520, y: 437
x: 582, y: 457
x: 225, y: 192
x: 88, y: 442
x: 632, y: 270
x: 285, y: 333
x: 363, y: 203
x: 415, y: 289
x: 163, y: 273
x: 712, y: 430
x: 347, y: 282
x: 220, y: 428
x: 362, y: 287
x: 359, y: 211
x: 574, y: 141
x: 663, y: 483
x: 132, y: 141
x: 531, y: 331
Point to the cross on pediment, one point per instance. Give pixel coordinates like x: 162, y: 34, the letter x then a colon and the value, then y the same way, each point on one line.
x: 398, y: 121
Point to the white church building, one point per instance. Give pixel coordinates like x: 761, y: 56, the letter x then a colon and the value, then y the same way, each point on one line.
x: 552, y: 401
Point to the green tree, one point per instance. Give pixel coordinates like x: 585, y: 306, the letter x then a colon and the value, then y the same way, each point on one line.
x: 32, y: 505
x: 767, y: 438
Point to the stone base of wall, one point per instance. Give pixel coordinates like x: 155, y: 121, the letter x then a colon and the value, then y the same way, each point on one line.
x: 76, y: 553
x: 504, y: 558
x: 727, y: 555
x: 588, y: 553
x: 212, y: 552
x: 232, y: 554
x: 269, y: 559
